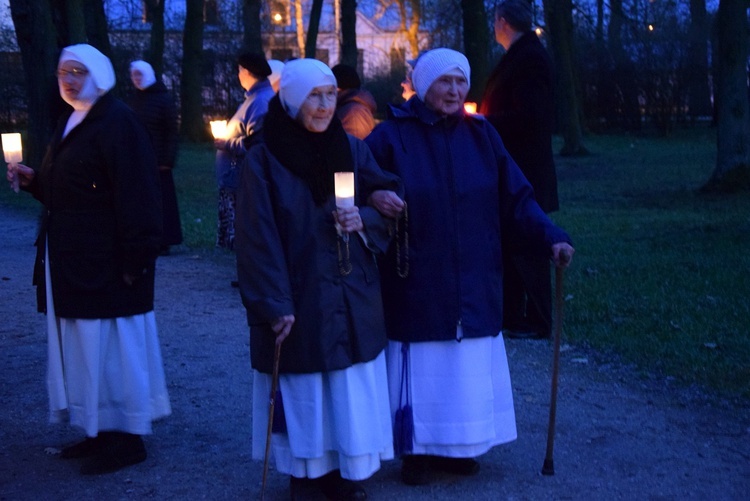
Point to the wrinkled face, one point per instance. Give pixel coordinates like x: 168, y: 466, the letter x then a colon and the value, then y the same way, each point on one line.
x: 247, y: 79
x: 137, y: 77
x: 317, y: 110
x: 447, y: 93
x: 71, y: 76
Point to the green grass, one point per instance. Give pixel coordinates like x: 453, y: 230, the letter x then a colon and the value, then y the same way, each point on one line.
x: 660, y: 274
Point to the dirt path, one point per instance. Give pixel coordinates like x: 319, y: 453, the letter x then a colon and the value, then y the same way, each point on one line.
x: 619, y: 436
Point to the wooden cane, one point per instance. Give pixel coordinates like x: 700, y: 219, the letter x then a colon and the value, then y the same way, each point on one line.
x: 271, y: 401
x: 549, y: 464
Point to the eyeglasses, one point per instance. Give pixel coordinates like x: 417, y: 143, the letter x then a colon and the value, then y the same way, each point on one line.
x: 76, y: 73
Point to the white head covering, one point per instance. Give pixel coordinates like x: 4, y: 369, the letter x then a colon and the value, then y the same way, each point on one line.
x: 148, y: 77
x: 100, y: 79
x: 300, y: 76
x: 435, y: 63
x: 276, y: 68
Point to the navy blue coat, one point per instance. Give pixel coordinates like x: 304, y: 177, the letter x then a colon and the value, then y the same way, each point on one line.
x: 287, y: 262
x: 464, y: 194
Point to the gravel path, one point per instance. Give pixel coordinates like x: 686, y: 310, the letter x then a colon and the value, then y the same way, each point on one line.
x: 619, y: 435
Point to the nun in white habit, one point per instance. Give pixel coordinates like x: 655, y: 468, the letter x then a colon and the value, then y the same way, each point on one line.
x: 308, y: 278
x: 94, y: 272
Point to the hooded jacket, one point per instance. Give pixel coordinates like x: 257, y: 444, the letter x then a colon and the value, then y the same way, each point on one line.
x: 464, y: 194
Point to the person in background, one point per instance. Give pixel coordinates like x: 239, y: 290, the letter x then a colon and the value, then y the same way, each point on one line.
x: 308, y: 278
x: 519, y: 101
x: 276, y: 68
x: 355, y: 106
x: 155, y: 107
x: 407, y: 89
x: 442, y: 281
x: 99, y: 238
x: 242, y: 130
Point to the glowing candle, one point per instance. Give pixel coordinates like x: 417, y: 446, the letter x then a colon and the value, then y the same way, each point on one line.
x: 219, y: 129
x: 344, y: 188
x: 470, y: 108
x: 13, y: 152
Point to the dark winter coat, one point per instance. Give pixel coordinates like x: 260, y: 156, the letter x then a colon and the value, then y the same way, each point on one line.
x: 519, y: 101
x: 355, y: 109
x: 464, y: 194
x: 102, y: 216
x: 155, y: 107
x: 287, y: 258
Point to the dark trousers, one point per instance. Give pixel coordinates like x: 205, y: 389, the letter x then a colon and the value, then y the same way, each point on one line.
x: 527, y: 293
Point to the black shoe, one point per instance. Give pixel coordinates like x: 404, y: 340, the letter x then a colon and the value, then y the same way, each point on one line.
x: 119, y: 450
x: 457, y: 466
x: 89, y: 447
x: 415, y: 470
x: 337, y: 488
x: 305, y: 489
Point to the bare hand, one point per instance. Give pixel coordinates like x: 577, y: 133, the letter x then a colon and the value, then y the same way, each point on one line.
x: 562, y: 254
x: 20, y: 172
x: 386, y: 202
x: 348, y: 219
x: 282, y: 326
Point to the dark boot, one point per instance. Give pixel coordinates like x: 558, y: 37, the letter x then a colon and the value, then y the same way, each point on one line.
x: 337, y: 488
x: 457, y: 466
x: 119, y: 450
x: 415, y: 470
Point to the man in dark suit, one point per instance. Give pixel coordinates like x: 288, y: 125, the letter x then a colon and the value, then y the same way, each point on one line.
x: 519, y: 102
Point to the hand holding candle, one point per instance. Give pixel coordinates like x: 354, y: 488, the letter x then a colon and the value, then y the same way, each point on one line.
x: 219, y: 129
x: 13, y: 152
x: 347, y: 214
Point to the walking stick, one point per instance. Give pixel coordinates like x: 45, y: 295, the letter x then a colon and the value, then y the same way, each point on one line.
x: 549, y: 464
x: 272, y: 399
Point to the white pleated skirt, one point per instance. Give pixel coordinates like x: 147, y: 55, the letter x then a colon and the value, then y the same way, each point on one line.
x: 335, y: 420
x: 461, y: 395
x: 105, y: 374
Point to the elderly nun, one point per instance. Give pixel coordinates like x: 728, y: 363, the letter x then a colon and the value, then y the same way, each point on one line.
x: 309, y: 280
x: 99, y: 238
x: 442, y: 286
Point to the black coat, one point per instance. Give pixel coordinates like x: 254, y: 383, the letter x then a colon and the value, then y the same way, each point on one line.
x: 519, y: 102
x: 287, y: 259
x: 102, y: 218
x: 155, y: 107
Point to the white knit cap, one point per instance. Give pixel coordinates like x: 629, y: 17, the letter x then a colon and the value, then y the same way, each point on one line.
x: 433, y: 64
x: 299, y: 78
x: 276, y: 68
x: 148, y: 78
x: 100, y: 67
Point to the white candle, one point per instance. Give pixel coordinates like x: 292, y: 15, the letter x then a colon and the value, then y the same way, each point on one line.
x: 12, y: 148
x: 219, y: 129
x: 470, y: 108
x: 344, y: 188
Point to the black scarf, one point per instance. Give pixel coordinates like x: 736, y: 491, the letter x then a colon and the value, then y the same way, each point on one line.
x: 311, y: 156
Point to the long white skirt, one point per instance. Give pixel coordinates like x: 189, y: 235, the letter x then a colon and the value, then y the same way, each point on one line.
x: 335, y: 420
x: 461, y: 395
x: 105, y: 374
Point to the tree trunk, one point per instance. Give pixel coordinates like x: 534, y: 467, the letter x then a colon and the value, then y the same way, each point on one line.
x: 312, y: 29
x: 37, y: 36
x: 97, y: 33
x: 349, y: 33
x: 299, y: 21
x: 732, y: 172
x: 559, y: 17
x: 193, y: 128
x: 699, y: 97
x: 476, y: 45
x: 75, y: 22
x: 251, y: 38
x: 155, y: 56
x: 624, y: 71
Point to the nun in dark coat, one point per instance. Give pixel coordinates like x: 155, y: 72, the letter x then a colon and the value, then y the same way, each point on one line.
x: 308, y: 277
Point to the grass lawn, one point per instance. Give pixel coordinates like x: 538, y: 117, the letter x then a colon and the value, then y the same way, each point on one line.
x: 660, y: 275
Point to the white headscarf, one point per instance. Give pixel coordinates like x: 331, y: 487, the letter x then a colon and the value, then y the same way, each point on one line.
x: 435, y: 63
x: 148, y: 77
x: 299, y: 78
x: 276, y: 68
x: 99, y: 81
